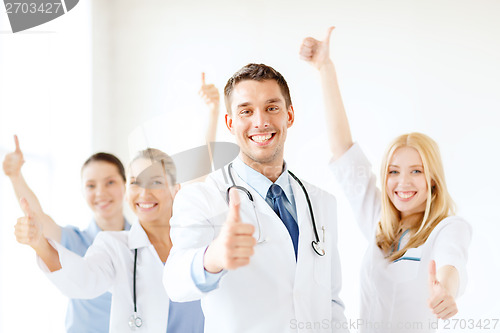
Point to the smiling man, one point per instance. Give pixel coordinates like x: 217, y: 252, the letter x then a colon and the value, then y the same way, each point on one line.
x: 256, y: 244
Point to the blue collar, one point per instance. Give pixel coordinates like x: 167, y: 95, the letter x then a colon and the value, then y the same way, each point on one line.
x: 93, y: 229
x: 261, y: 183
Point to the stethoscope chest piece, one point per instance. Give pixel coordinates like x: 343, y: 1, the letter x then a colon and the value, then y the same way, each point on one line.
x: 318, y: 248
x: 135, y: 322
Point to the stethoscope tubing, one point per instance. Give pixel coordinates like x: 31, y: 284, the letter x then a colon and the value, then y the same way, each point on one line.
x: 135, y: 273
x: 309, y: 204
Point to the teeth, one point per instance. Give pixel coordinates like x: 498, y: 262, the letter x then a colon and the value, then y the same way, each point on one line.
x: 405, y: 195
x: 145, y: 206
x: 261, y: 138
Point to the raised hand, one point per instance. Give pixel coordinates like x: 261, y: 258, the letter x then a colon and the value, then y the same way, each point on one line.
x: 27, y: 229
x: 209, y: 94
x: 441, y: 302
x: 234, y: 246
x: 316, y: 52
x: 13, y: 162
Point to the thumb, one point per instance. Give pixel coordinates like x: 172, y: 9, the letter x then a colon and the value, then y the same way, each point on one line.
x: 234, y: 206
x: 328, y: 34
x: 432, y: 274
x: 16, y: 140
x: 26, y: 208
x: 203, y: 78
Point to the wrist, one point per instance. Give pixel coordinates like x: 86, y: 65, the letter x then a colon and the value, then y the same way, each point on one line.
x: 326, y: 66
x: 214, y: 110
x: 209, y: 263
x: 41, y: 246
x: 15, y: 177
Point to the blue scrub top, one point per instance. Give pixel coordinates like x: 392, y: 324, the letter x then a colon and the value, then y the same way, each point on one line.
x: 86, y: 315
x: 186, y: 317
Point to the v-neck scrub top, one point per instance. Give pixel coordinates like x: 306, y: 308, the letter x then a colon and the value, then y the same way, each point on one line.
x: 394, y: 294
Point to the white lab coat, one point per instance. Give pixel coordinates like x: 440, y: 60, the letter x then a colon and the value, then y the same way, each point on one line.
x: 108, y: 265
x: 273, y: 293
x: 394, y: 294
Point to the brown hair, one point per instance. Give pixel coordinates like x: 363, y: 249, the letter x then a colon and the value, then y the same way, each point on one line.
x: 257, y: 72
x: 105, y: 157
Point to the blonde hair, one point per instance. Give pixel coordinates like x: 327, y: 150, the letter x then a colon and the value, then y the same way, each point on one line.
x: 438, y: 206
x: 156, y: 155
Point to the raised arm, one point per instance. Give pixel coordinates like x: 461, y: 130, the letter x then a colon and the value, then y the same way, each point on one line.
x: 317, y: 53
x: 28, y: 230
x: 75, y: 276
x: 12, y: 168
x: 210, y: 95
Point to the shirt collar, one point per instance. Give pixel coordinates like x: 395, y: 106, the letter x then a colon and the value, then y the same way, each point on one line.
x: 137, y: 237
x: 93, y: 229
x: 261, y: 183
x: 127, y: 225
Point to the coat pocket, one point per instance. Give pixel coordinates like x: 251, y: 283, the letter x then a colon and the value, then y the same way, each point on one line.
x: 406, y: 268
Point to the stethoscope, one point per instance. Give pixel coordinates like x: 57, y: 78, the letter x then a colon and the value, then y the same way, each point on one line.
x: 316, y: 243
x: 135, y: 321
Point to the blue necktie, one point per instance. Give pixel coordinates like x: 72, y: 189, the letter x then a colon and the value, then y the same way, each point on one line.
x: 278, y: 196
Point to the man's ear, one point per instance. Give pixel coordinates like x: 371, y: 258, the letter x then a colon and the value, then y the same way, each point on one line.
x: 291, y: 116
x: 229, y: 122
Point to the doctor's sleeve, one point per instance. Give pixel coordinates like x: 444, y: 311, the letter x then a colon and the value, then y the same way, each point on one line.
x: 193, y: 226
x: 83, y: 277
x: 451, y: 248
x: 354, y: 174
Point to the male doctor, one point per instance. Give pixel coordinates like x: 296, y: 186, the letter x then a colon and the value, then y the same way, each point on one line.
x: 251, y: 261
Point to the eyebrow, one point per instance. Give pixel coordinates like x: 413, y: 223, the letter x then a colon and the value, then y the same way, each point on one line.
x: 269, y: 101
x: 274, y: 100
x: 242, y: 105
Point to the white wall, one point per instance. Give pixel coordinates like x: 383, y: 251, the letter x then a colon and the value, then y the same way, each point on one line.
x: 45, y: 96
x: 428, y: 66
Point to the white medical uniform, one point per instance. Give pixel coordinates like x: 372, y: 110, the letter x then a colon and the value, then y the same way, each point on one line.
x: 274, y: 293
x: 109, y: 265
x: 394, y: 294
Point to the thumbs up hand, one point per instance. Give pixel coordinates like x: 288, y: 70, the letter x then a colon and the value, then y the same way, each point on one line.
x: 27, y: 229
x: 441, y: 302
x: 234, y: 246
x: 209, y: 94
x: 316, y: 52
x: 13, y: 162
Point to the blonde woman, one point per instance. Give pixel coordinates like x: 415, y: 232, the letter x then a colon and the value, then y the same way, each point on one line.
x: 414, y: 268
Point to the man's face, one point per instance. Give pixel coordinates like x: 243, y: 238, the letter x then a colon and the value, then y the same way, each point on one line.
x: 259, y: 119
